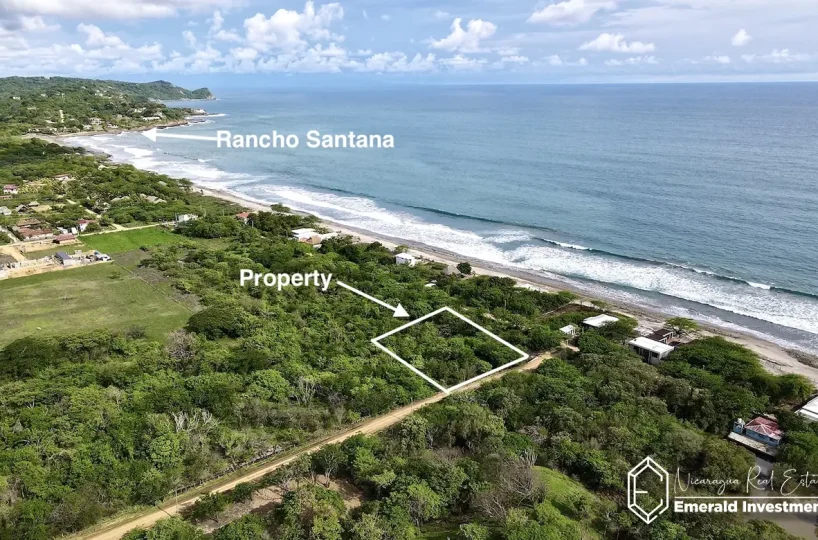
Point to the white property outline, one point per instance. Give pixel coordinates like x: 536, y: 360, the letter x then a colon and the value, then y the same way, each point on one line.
x: 430, y: 380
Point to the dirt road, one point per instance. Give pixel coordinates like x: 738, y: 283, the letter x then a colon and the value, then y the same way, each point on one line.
x: 114, y: 531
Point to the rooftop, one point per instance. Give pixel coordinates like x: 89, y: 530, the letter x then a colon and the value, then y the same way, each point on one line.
x: 599, y: 321
x: 651, y: 345
x: 810, y: 410
x: 662, y: 333
x: 765, y: 426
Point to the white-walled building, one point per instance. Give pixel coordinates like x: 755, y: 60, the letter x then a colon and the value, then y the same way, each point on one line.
x: 599, y: 321
x: 653, y: 352
x: 810, y: 410
x: 405, y: 259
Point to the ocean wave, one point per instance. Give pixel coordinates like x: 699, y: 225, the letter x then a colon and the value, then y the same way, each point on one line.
x: 759, y: 285
x: 473, y: 217
x: 508, y: 237
x: 548, y: 257
x: 777, y: 307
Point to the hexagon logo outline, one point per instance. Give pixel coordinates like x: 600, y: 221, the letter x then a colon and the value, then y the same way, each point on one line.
x: 647, y: 465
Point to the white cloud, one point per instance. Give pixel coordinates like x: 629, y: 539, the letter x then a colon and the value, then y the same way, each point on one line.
x: 190, y: 39
x: 244, y: 53
x: 508, y: 51
x: 362, y: 52
x: 570, y: 12
x: 556, y: 60
x: 36, y: 24
x: 783, y: 56
x: 466, y: 41
x: 398, y: 62
x: 632, y: 61
x: 119, y: 9
x: 514, y: 60
x: 722, y: 59
x: 365, y: 14
x: 386, y: 17
x: 95, y: 37
x: 287, y: 29
x: 741, y: 38
x: 617, y: 43
x: 463, y: 63
x: 441, y: 15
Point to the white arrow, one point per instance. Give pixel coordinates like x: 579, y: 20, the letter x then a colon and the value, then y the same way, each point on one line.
x: 399, y: 311
x: 153, y: 133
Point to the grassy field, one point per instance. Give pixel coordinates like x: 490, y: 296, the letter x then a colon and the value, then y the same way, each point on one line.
x: 121, y: 242
x: 84, y: 299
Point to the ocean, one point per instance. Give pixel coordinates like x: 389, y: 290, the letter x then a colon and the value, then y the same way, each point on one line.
x: 695, y: 200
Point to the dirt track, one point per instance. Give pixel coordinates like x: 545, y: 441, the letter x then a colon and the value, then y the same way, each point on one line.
x: 114, y: 531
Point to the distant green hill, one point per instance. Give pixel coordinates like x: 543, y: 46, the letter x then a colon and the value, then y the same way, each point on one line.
x: 152, y: 90
x: 62, y: 105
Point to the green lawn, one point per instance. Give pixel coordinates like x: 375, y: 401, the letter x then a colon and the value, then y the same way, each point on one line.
x: 84, y: 299
x: 120, y: 242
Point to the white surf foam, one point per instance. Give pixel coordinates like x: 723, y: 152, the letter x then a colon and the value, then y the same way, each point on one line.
x: 749, y: 299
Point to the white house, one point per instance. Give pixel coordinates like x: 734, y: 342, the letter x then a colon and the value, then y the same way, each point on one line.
x: 302, y: 235
x: 4, y: 211
x: 599, y: 321
x: 569, y: 331
x: 10, y: 189
x: 406, y: 259
x: 653, y: 352
x: 810, y: 410
x: 183, y: 218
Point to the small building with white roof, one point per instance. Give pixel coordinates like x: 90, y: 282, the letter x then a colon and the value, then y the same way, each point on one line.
x: 810, y: 410
x: 569, y: 331
x: 653, y: 352
x: 599, y: 321
x: 405, y: 259
x: 303, y: 235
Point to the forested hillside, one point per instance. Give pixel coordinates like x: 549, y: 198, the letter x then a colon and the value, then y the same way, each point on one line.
x: 62, y: 105
x: 152, y: 90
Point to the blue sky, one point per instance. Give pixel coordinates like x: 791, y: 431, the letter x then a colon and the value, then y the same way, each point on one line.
x: 412, y: 41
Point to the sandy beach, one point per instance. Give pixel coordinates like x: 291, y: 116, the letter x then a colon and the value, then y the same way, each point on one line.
x: 774, y: 358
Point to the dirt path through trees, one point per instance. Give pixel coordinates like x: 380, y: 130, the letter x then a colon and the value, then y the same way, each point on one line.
x: 114, y: 531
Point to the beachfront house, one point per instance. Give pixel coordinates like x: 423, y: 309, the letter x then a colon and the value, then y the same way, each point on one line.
x: 244, y: 217
x: 10, y: 189
x: 405, y: 259
x: 652, y: 352
x: 599, y: 321
x: 663, y: 335
x: 63, y: 178
x: 302, y: 235
x: 810, y: 410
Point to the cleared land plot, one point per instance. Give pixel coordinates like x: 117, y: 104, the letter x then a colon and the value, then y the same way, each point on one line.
x: 31, y: 255
x: 120, y: 242
x: 449, y: 349
x: 85, y: 299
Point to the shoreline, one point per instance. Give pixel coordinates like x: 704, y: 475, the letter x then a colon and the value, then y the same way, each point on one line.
x: 775, y: 358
